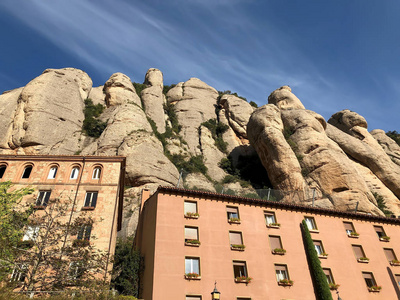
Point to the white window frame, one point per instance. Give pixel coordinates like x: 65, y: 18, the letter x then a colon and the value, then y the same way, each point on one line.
x: 311, y: 224
x: 96, y: 173
x: 189, y: 262
x: 19, y: 272
x: 42, y: 196
x: 92, y: 197
x: 269, y: 215
x: 52, y: 172
x: 74, y: 173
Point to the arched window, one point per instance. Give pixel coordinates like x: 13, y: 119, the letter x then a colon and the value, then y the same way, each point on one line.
x: 27, y: 172
x: 96, y: 173
x: 74, y: 173
x: 2, y: 170
x: 52, y: 172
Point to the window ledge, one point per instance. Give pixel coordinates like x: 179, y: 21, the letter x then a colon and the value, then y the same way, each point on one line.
x: 353, y: 236
x: 395, y: 264
x: 323, y: 256
x: 273, y: 226
x: 384, y: 240
x: 87, y: 208
x: 373, y: 290
x: 285, y: 283
x: 192, y: 277
x: 39, y: 207
x: 278, y: 253
x: 191, y: 216
x: 243, y: 280
x: 364, y: 261
x: 237, y: 248
x: 233, y: 222
x: 80, y: 243
x: 313, y: 230
x: 192, y: 244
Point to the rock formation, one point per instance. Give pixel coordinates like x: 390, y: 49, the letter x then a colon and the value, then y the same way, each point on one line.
x: 340, y: 164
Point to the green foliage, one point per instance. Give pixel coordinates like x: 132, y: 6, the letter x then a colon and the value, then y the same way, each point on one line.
x: 228, y: 92
x: 91, y: 125
x: 229, y: 179
x: 13, y: 218
x: 139, y: 87
x: 217, y: 129
x: 321, y: 286
x: 381, y: 204
x: 169, y: 109
x: 195, y: 164
x: 128, y: 267
x: 394, y: 135
x: 167, y: 88
x: 252, y: 103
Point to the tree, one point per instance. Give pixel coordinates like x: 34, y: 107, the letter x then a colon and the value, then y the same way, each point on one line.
x: 13, y: 217
x: 56, y: 250
x: 394, y: 135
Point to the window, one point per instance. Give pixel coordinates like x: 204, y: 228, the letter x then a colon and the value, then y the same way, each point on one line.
x: 379, y: 231
x: 90, y: 199
x: 349, y: 228
x: 190, y: 297
x: 190, y: 208
x: 96, y: 173
x: 241, y: 298
x: 84, y: 232
x: 369, y: 279
x: 76, y: 270
x: 235, y: 239
x: 239, y: 269
x: 192, y: 265
x: 191, y: 234
x: 31, y: 233
x: 270, y: 218
x: 311, y: 223
x: 276, y: 244
x: 281, y: 272
x: 19, y: 273
x: 2, y: 170
x: 397, y: 279
x: 390, y: 255
x: 52, y: 173
x: 359, y: 253
x: 27, y: 172
x: 74, y: 173
x: 319, y: 248
x: 329, y: 276
x: 232, y: 213
x: 43, y: 198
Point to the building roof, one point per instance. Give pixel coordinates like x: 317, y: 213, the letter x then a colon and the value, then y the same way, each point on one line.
x: 277, y: 205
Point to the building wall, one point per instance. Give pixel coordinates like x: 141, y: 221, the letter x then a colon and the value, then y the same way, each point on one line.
x: 216, y: 257
x: 73, y: 191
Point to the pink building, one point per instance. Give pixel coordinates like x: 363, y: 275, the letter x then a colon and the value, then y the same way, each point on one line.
x: 254, y: 249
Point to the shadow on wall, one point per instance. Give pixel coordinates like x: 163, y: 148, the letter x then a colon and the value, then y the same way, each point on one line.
x: 394, y: 282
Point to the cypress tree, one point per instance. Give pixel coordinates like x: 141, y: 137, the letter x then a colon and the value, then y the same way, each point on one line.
x: 321, y: 286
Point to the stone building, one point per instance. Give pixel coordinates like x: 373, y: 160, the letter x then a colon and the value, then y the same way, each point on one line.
x: 254, y: 249
x: 92, y: 185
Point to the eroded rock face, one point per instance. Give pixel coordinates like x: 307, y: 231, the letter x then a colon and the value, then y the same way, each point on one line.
x: 53, y: 100
x: 8, y: 106
x: 391, y: 148
x: 283, y: 98
x: 120, y: 90
x: 154, y: 99
x: 194, y: 103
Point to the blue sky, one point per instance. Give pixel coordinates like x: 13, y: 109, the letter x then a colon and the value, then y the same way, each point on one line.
x: 334, y: 54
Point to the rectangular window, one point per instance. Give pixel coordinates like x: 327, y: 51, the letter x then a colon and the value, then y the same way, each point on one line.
x: 390, y: 254
x: 43, y: 198
x: 275, y: 242
x: 348, y: 227
x: 235, y: 238
x: 281, y: 272
x: 270, y: 218
x: 192, y: 265
x: 191, y: 233
x: 369, y: 279
x: 232, y: 213
x: 31, y: 233
x: 189, y: 297
x: 190, y: 208
x: 397, y: 279
x: 318, y: 247
x: 84, y: 232
x: 76, y: 270
x: 311, y: 223
x: 239, y: 269
x: 19, y: 273
x: 358, y: 251
x: 241, y: 298
x: 52, y: 173
x: 329, y: 276
x: 90, y: 199
x: 379, y: 231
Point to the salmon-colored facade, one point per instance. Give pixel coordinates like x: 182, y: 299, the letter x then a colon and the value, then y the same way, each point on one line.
x: 93, y: 185
x: 163, y: 228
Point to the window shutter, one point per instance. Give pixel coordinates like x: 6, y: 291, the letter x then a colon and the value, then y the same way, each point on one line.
x: 389, y: 254
x: 239, y: 263
x: 378, y: 229
x: 327, y: 272
x: 358, y: 251
x: 280, y: 267
x: 94, y: 199
x: 398, y: 279
x: 367, y: 275
x: 232, y: 210
x: 191, y: 233
x: 235, y: 238
x: 47, y: 197
x: 275, y: 242
x: 190, y: 207
x: 88, y: 230
x: 193, y: 298
x: 87, y: 199
x: 348, y: 226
